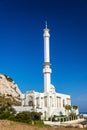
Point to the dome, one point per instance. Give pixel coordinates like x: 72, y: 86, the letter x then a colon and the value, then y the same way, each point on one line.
x: 52, y: 88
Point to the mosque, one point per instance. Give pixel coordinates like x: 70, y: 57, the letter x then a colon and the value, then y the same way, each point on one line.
x: 49, y: 103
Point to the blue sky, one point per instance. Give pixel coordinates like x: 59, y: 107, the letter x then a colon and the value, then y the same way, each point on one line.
x: 21, y: 45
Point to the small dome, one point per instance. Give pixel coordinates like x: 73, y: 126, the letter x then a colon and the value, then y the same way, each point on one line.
x: 52, y: 88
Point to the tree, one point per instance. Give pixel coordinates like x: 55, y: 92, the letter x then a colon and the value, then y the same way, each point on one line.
x: 7, y: 108
x: 67, y: 108
x: 6, y: 111
x: 75, y: 108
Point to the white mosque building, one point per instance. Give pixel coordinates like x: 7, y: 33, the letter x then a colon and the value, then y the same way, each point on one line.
x: 49, y: 102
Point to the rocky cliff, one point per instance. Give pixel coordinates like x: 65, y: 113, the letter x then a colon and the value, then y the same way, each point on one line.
x: 9, y: 90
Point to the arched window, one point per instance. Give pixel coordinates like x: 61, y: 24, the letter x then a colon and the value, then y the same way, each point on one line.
x: 30, y: 101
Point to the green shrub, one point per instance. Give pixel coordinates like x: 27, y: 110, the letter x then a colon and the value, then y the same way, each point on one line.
x: 36, y: 115
x: 12, y: 117
x: 27, y: 117
x: 7, y: 112
x: 39, y: 123
x: 7, y: 108
x: 23, y: 117
x: 5, y: 115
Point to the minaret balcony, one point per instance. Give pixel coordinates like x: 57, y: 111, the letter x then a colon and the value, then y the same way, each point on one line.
x: 47, y: 70
x: 46, y: 64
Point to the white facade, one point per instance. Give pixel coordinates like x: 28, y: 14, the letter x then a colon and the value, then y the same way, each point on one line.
x: 49, y: 102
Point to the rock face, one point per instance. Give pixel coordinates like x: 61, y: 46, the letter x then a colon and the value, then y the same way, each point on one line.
x: 8, y: 88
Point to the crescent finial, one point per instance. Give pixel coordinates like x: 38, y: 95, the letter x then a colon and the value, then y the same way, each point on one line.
x: 46, y: 24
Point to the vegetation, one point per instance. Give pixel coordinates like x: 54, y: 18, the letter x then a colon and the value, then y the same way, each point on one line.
x: 28, y: 117
x: 75, y: 108
x: 67, y: 108
x: 70, y: 114
x: 7, y: 112
x: 8, y: 100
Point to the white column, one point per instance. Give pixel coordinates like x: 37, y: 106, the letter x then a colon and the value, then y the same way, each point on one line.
x: 47, y: 79
x: 46, y: 36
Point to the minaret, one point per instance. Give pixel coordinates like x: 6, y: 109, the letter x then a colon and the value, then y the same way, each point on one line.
x: 47, y: 70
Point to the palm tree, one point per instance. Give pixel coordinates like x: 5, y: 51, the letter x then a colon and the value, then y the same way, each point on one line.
x: 75, y: 108
x: 67, y: 107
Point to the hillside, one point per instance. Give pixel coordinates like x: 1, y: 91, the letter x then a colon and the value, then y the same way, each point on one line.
x: 9, y: 91
x: 10, y: 125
